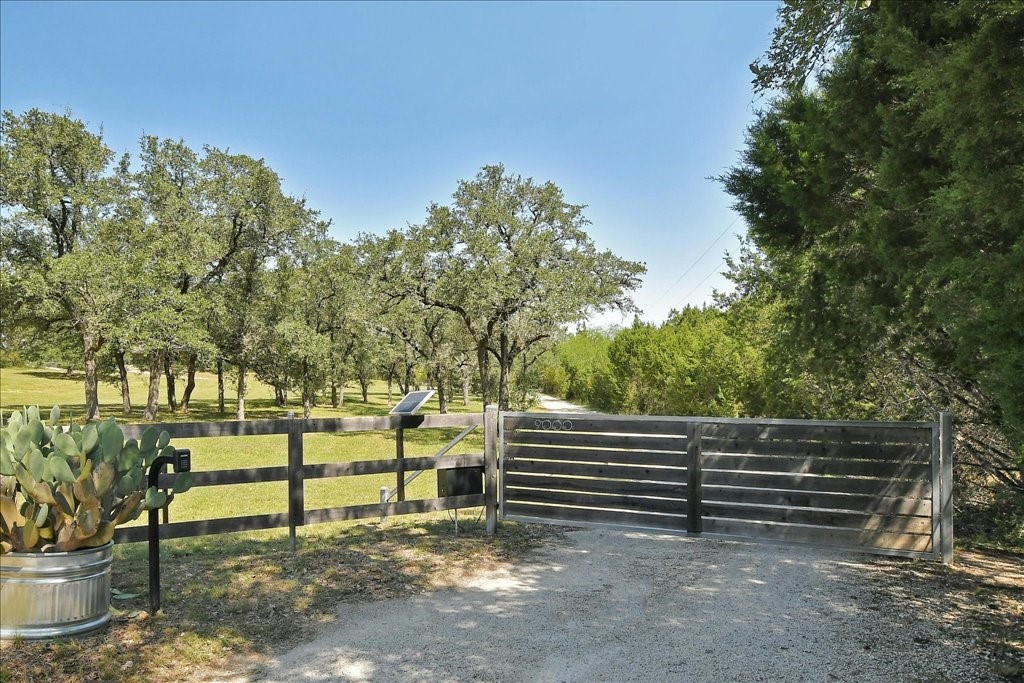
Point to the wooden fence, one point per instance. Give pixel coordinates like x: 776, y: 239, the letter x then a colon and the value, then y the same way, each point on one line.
x: 296, y: 471
x: 877, y: 486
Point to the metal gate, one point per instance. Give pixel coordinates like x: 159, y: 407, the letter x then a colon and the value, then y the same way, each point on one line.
x: 589, y: 468
x: 883, y: 487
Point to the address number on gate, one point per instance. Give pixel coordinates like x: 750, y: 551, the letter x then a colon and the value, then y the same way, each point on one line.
x: 548, y: 425
x: 555, y: 425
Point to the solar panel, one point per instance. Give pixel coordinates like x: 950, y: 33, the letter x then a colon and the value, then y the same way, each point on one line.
x: 412, y: 402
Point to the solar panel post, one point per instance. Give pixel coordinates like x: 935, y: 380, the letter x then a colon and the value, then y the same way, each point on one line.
x: 406, y: 409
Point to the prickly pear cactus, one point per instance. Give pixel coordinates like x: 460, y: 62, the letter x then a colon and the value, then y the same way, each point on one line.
x: 64, y: 489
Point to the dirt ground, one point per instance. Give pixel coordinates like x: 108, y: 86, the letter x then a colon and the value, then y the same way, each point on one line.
x: 612, y: 605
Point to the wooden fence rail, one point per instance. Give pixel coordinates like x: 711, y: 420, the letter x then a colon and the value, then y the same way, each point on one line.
x: 296, y: 472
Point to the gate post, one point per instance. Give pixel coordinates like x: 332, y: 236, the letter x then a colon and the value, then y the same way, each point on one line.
x: 694, y: 514
x: 491, y: 467
x: 945, y: 498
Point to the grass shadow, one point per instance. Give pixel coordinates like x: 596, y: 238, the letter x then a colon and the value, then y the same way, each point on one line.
x: 52, y: 374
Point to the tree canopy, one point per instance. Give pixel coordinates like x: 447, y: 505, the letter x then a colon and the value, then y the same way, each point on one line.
x: 511, y: 260
x: 882, y: 190
x: 178, y: 260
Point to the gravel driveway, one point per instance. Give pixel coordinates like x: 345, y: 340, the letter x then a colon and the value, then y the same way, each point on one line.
x: 557, y: 405
x: 609, y: 605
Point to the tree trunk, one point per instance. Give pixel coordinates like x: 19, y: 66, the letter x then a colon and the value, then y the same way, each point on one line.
x: 504, y: 373
x: 307, y: 391
x: 91, y: 344
x: 335, y: 402
x: 153, y: 397
x: 220, y: 386
x: 391, y: 377
x: 172, y: 390
x: 240, y: 411
x: 522, y: 380
x: 481, y: 360
x: 364, y: 386
x: 465, y: 384
x: 122, y: 371
x: 280, y: 398
x: 442, y: 395
x: 190, y: 382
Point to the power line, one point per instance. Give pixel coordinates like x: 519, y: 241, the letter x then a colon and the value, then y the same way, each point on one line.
x: 697, y: 286
x: 705, y: 253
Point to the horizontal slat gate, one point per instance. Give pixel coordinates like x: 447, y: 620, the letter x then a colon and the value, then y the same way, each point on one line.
x: 864, y: 485
x: 594, y: 469
x: 856, y: 486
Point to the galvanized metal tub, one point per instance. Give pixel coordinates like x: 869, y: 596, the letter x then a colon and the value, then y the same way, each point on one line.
x: 52, y: 595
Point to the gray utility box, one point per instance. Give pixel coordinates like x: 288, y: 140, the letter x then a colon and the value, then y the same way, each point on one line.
x: 460, y: 481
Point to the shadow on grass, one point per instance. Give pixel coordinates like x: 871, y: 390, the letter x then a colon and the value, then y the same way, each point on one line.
x: 204, y: 407
x: 248, y: 595
x: 199, y: 411
x: 208, y: 411
x: 48, y: 373
x: 418, y: 437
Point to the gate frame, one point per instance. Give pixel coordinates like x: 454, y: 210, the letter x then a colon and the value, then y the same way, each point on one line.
x: 942, y: 443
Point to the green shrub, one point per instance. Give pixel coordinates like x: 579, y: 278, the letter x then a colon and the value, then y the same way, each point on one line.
x: 998, y: 523
x: 555, y: 381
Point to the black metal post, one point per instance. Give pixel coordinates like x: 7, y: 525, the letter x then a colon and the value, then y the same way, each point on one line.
x: 154, y: 536
x: 182, y: 461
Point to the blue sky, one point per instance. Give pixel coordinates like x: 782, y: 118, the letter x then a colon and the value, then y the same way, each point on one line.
x: 373, y: 111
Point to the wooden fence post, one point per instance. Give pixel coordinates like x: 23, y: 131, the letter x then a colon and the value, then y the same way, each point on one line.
x: 296, y: 504
x: 400, y: 455
x: 694, y: 518
x: 945, y: 500
x: 491, y: 467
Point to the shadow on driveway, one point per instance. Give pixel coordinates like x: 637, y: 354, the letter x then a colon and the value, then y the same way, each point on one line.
x: 610, y: 605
